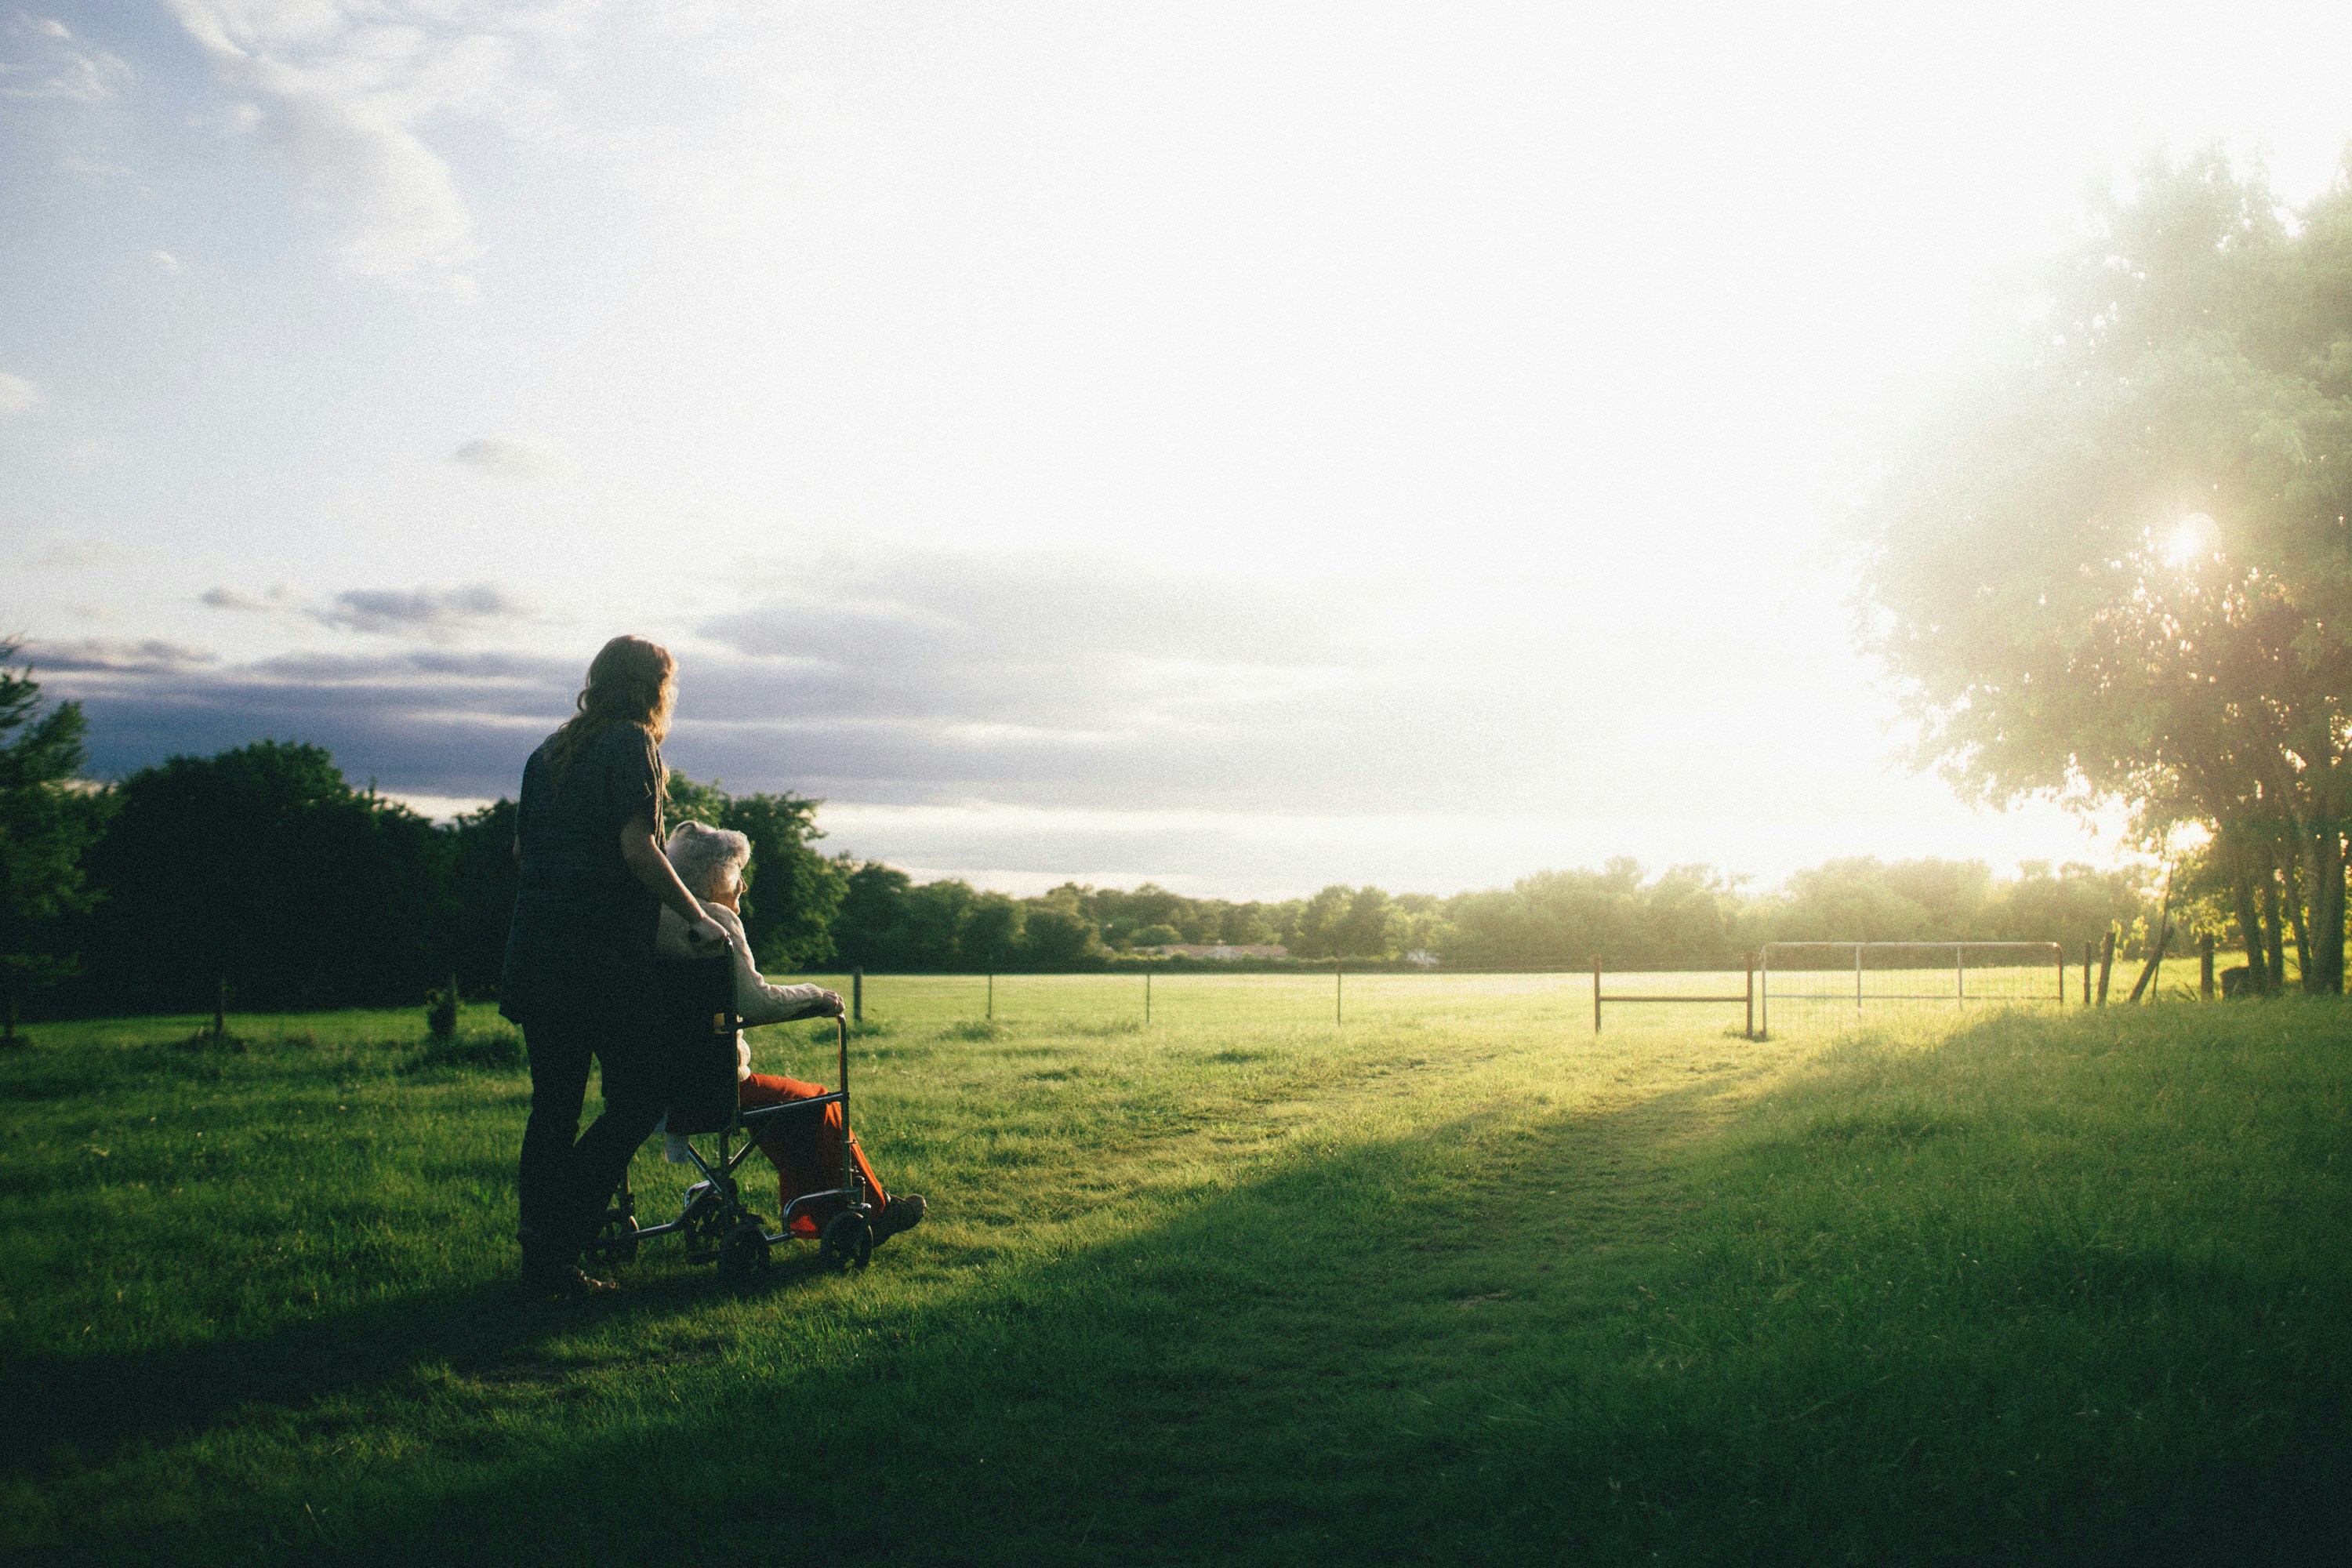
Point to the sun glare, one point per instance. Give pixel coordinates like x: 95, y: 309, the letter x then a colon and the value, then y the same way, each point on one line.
x: 2193, y: 539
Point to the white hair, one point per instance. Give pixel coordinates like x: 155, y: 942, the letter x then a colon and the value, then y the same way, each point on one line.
x: 707, y: 858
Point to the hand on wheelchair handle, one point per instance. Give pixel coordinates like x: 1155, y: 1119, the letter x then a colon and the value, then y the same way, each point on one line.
x: 834, y: 1005
x: 705, y: 932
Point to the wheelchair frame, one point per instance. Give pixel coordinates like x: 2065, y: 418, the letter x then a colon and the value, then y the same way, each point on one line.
x: 718, y: 1226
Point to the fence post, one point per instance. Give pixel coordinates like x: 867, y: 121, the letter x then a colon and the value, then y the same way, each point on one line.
x: 991, y: 995
x: 1857, y: 980
x: 857, y: 995
x: 2106, y: 963
x: 1596, y: 993
x: 2086, y: 975
x: 1960, y: 973
x: 220, y: 1010
x: 1751, y: 996
x: 2205, y: 966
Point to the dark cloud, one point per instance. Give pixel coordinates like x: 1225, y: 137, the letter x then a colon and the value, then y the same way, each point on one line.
x: 392, y: 612
x: 1052, y: 684
x: 100, y: 655
x: 419, y: 609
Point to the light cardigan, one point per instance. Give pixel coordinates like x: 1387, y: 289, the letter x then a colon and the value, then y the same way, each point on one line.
x: 756, y: 1001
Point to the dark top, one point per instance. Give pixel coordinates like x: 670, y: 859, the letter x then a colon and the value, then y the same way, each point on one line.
x: 581, y: 942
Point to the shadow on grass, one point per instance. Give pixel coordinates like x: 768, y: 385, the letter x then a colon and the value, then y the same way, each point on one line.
x: 1569, y: 1346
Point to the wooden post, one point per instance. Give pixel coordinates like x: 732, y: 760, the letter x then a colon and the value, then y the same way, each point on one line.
x: 2061, y: 976
x: 2151, y: 973
x: 1596, y: 993
x: 2205, y: 966
x: 2106, y: 963
x: 1960, y: 973
x: 2086, y: 975
x: 220, y: 1009
x: 1751, y: 996
x: 1857, y: 979
x: 991, y: 995
x: 857, y: 995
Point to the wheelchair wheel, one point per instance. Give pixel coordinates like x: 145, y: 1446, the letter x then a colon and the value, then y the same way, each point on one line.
x: 743, y: 1252
x: 848, y: 1240
x: 617, y: 1240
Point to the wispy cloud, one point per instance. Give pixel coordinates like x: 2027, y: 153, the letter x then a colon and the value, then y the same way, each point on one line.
x: 57, y: 65
x: 517, y: 462
x: 435, y: 614
x: 17, y: 395
x: 421, y: 610
x: 342, y: 91
x: 92, y: 656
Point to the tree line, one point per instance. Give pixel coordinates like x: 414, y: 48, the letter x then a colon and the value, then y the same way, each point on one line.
x: 261, y: 872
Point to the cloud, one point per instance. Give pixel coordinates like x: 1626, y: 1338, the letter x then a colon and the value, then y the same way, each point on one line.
x: 425, y: 721
x: 17, y: 394
x: 165, y: 263
x: 419, y: 610
x: 276, y: 598
x: 109, y: 655
x: 60, y: 66
x: 339, y: 92
x: 432, y: 613
x: 518, y: 462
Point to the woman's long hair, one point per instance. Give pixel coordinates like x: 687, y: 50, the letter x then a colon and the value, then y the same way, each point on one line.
x: 630, y: 682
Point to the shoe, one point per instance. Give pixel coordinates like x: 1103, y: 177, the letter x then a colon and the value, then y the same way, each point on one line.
x: 904, y: 1213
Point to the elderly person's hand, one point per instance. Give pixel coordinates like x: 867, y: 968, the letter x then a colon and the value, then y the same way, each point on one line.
x: 704, y: 932
x: 830, y: 1005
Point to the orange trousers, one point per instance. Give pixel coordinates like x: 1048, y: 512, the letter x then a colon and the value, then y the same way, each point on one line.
x: 806, y: 1149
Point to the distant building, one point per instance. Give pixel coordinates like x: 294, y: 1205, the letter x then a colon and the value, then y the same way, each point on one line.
x: 1221, y: 950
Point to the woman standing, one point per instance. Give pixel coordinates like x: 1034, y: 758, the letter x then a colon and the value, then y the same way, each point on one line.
x: 578, y: 975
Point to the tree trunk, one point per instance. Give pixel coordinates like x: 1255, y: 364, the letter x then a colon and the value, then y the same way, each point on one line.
x: 2250, y: 924
x: 2290, y: 867
x: 2321, y: 937
x: 2274, y: 931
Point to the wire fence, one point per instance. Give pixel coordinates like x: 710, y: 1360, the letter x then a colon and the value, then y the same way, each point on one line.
x: 1813, y: 982
x: 1793, y: 986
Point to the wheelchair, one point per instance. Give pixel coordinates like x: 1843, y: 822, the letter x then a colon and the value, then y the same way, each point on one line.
x: 696, y: 1000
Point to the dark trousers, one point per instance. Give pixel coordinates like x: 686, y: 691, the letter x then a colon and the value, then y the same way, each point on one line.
x: 565, y: 1182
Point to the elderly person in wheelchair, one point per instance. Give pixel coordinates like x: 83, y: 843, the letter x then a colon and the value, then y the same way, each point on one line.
x: 807, y: 1155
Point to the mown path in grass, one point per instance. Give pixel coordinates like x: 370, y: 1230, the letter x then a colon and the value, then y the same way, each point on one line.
x: 1467, y: 1286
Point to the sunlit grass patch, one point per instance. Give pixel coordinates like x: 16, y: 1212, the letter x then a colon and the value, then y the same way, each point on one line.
x: 1457, y: 1286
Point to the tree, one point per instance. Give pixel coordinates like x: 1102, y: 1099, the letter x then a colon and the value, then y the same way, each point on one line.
x: 1057, y: 934
x: 1346, y: 923
x: 46, y: 822
x: 483, y: 877
x: 991, y: 930
x: 2108, y: 558
x: 262, y: 868
x: 873, y: 905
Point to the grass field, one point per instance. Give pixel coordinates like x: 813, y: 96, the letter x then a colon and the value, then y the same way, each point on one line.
x: 1457, y: 1281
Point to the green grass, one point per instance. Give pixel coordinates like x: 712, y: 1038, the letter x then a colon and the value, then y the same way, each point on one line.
x: 1458, y: 1282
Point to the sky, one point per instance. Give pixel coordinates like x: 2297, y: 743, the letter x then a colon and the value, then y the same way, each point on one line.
x: 1245, y: 446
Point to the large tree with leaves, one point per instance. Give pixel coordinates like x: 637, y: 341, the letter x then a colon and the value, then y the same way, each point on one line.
x: 2108, y: 558
x: 48, y: 817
